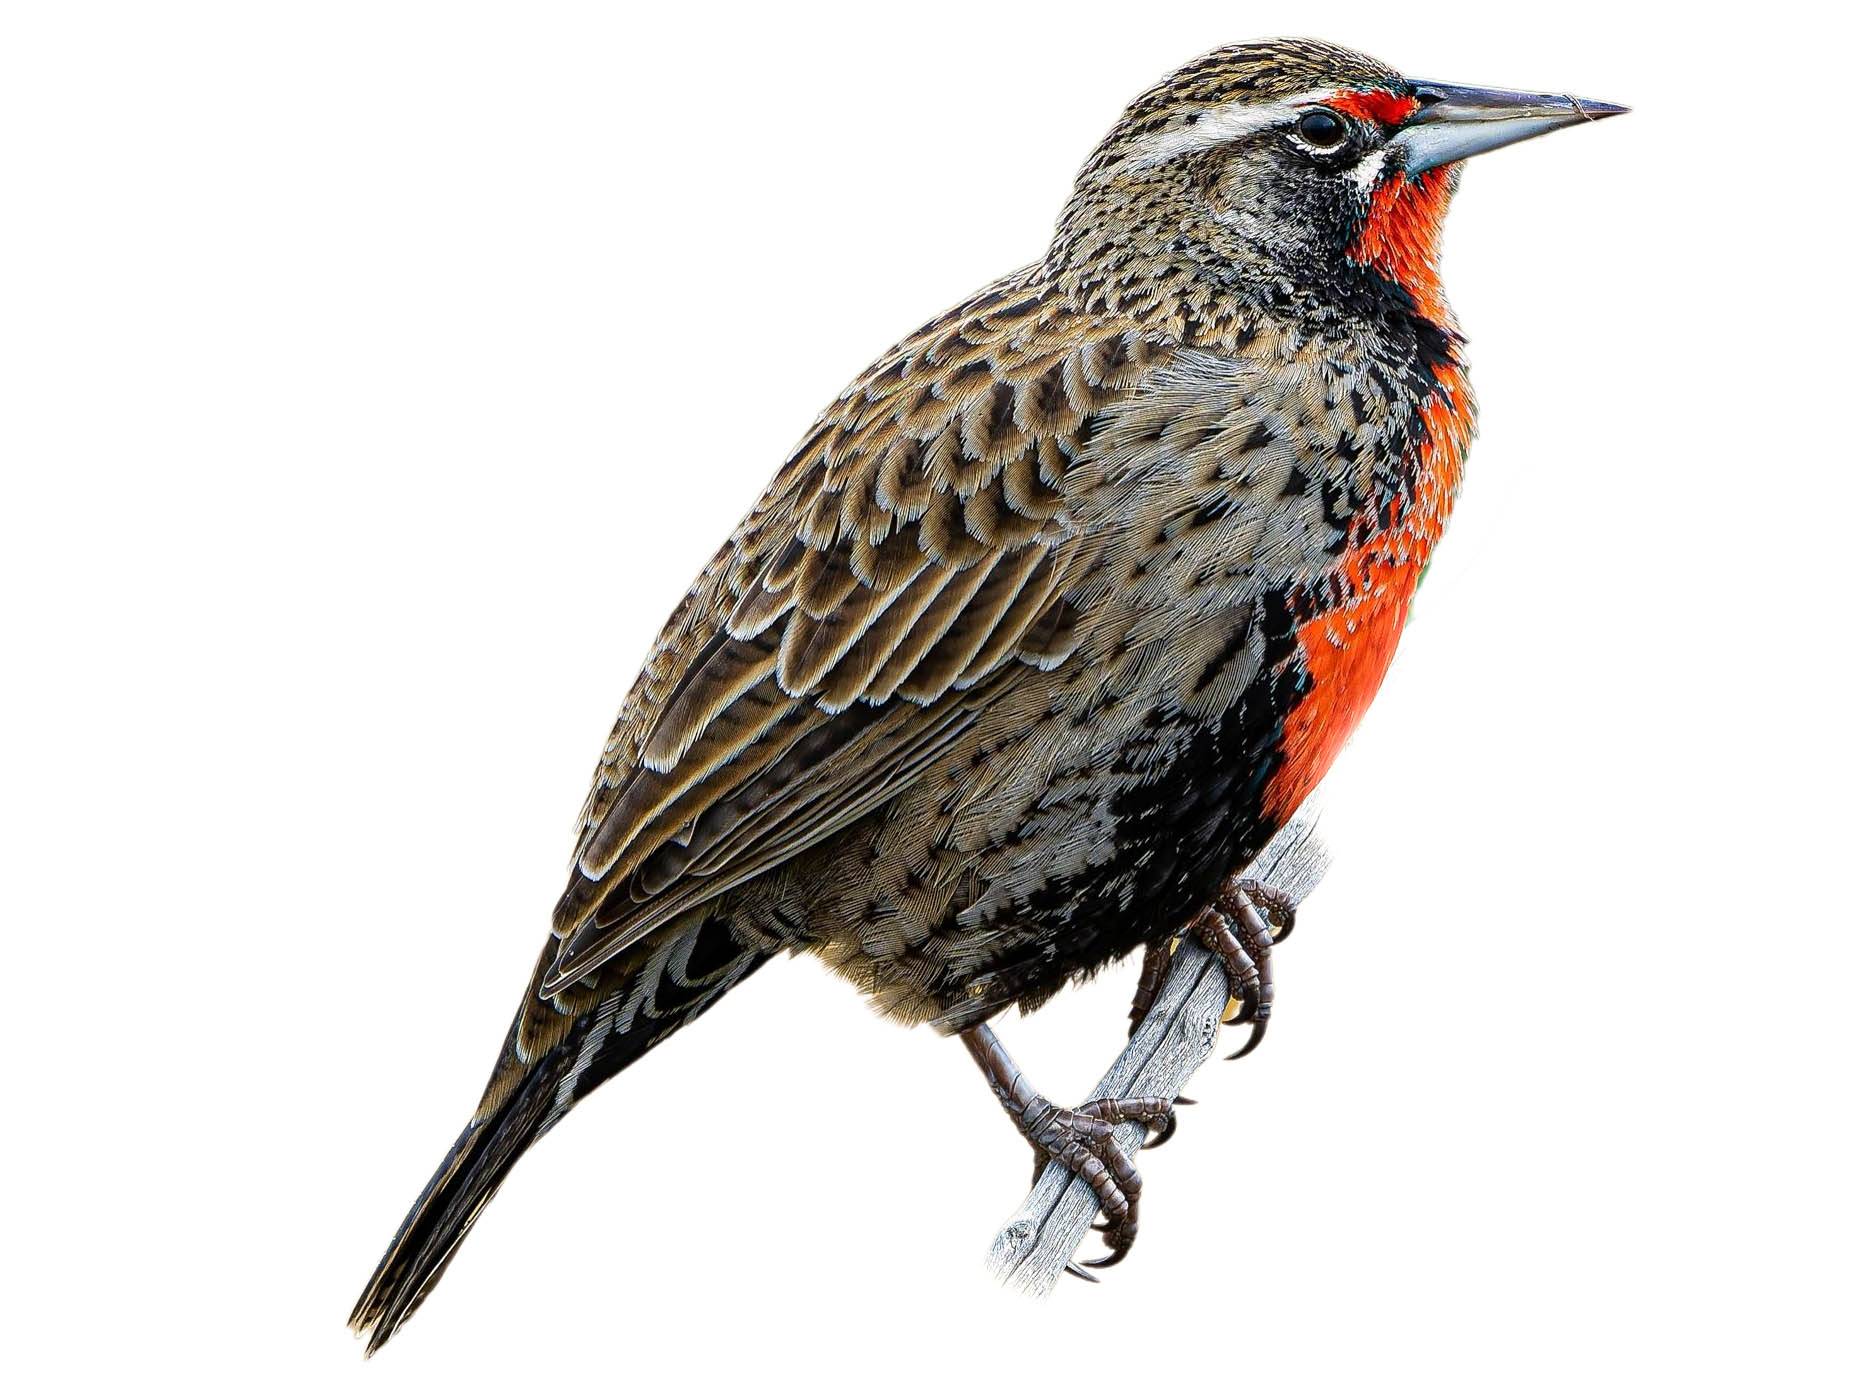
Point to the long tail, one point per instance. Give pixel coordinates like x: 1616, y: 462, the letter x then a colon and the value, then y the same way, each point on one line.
x: 557, y: 1053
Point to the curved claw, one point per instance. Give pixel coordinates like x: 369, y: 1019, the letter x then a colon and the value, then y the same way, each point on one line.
x: 1109, y: 1260
x: 1259, y: 1027
x: 1077, y: 1272
x: 1163, y: 1132
x: 1252, y: 1002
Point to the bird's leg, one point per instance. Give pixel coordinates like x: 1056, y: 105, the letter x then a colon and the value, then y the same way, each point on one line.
x: 1081, y: 1140
x: 1155, y: 962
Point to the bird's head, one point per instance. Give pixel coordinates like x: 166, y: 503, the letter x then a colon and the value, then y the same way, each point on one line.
x: 1288, y: 169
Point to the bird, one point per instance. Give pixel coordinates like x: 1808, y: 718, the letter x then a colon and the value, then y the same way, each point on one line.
x: 1055, y: 616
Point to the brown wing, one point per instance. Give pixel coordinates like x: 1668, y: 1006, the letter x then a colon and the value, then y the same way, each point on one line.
x: 907, y: 557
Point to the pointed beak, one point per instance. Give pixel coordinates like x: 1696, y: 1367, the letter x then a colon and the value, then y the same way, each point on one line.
x: 1455, y: 123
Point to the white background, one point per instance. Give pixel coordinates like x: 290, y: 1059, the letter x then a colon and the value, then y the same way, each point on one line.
x: 376, y: 376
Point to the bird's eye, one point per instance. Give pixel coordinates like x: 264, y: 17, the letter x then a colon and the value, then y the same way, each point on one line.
x: 1321, y: 129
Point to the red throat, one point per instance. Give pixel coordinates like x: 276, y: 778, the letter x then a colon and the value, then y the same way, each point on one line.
x: 1346, y: 652
x: 1400, y: 237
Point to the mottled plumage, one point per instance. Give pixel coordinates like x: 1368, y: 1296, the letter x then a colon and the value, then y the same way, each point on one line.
x: 1050, y: 622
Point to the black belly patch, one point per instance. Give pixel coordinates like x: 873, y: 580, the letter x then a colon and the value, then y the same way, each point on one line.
x: 1176, y: 837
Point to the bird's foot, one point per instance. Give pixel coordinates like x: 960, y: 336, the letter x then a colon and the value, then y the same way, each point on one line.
x: 1236, y: 929
x: 1082, y: 1140
x: 1242, y: 939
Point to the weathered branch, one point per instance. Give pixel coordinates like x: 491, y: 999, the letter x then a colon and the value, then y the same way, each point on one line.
x: 1180, y: 1031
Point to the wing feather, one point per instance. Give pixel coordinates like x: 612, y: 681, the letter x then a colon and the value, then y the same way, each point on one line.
x: 912, y: 553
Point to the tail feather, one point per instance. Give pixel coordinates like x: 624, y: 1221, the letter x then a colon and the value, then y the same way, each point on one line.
x: 636, y: 1003
x: 454, y: 1197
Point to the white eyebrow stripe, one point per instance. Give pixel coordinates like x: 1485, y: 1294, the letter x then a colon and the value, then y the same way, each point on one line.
x: 1217, y: 126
